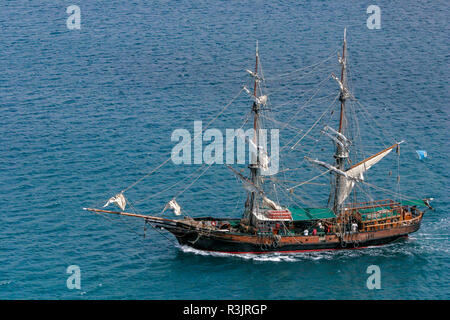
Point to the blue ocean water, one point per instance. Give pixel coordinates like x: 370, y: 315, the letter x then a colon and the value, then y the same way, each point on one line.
x: 87, y: 112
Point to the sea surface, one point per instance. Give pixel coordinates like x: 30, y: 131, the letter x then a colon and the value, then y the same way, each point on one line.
x: 86, y: 113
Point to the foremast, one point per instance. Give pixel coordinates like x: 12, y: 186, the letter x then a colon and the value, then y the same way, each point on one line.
x: 255, y: 173
x: 255, y: 197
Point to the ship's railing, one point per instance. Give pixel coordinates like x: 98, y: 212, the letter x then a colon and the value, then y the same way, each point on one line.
x: 373, y: 204
x: 382, y: 224
x: 386, y: 214
x: 396, y: 220
x: 398, y: 223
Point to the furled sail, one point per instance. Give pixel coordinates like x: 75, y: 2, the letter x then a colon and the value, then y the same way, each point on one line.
x: 263, y: 156
x: 337, y: 137
x: 328, y: 166
x: 262, y: 100
x: 271, y: 203
x: 356, y: 173
x: 173, y: 204
x: 249, y: 186
x: 119, y: 200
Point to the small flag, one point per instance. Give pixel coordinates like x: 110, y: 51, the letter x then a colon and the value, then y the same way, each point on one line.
x: 422, y: 154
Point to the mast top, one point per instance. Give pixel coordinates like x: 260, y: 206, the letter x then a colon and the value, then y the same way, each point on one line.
x: 343, y: 82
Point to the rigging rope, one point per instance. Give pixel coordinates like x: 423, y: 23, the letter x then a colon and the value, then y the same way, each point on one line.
x: 170, y: 187
x: 306, y: 103
x: 160, y: 232
x: 315, y: 123
x: 312, y: 179
x: 304, y: 68
x: 388, y: 191
x: 201, y: 174
x: 374, y: 120
x: 203, y: 130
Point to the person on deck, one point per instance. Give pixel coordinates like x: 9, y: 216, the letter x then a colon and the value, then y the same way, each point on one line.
x: 321, y: 228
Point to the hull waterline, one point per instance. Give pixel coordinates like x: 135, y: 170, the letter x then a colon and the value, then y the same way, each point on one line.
x: 243, y: 244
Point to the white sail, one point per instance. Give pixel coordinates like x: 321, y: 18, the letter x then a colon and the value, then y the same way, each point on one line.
x: 328, y: 166
x: 357, y: 171
x: 262, y: 100
x: 172, y: 204
x: 118, y: 199
x: 263, y: 156
x: 271, y: 203
x: 337, y: 133
x: 337, y: 137
x: 249, y: 186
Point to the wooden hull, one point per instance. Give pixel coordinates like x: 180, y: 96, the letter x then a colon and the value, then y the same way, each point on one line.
x: 243, y: 243
x: 216, y: 234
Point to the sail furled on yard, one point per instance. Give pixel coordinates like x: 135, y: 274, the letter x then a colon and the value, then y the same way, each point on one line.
x: 271, y: 203
x: 118, y: 200
x: 256, y: 151
x: 259, y: 151
x: 356, y: 173
x: 252, y: 188
x: 248, y: 184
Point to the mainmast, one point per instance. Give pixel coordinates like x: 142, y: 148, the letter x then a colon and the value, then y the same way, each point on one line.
x: 341, y: 154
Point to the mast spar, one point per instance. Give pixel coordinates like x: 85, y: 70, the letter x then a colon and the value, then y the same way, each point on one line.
x: 254, y: 165
x: 341, y: 154
x: 252, y: 203
x: 342, y: 97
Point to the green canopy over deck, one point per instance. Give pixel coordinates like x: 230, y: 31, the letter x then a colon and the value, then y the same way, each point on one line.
x: 372, y: 210
x: 387, y: 211
x: 299, y: 214
x: 417, y: 202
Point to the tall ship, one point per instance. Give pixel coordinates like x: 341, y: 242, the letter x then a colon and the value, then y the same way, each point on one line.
x: 266, y: 226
